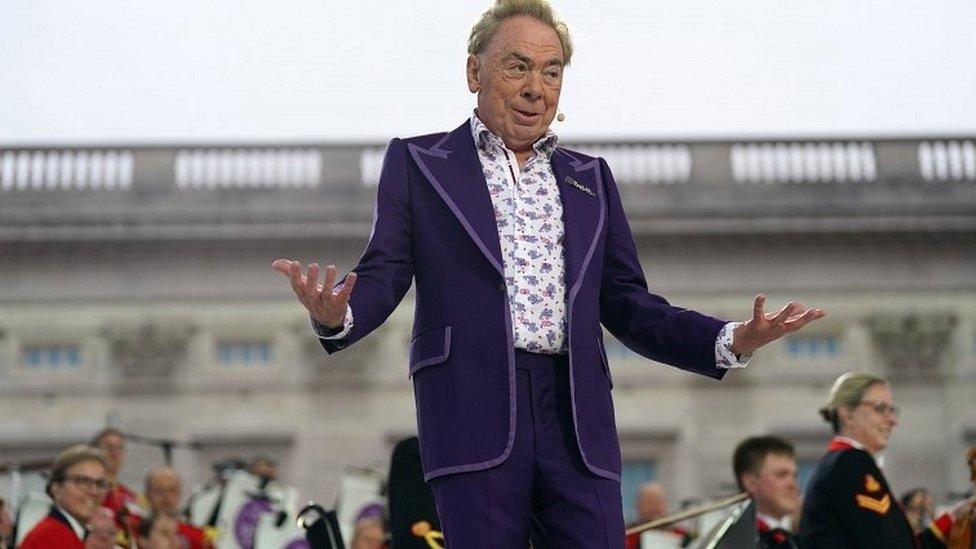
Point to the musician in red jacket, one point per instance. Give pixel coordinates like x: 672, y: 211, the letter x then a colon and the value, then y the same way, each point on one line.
x: 121, y: 499
x: 164, y: 491
x: 79, y: 482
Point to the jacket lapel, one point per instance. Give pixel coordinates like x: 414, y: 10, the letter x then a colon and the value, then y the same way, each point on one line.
x: 581, y: 190
x: 452, y: 167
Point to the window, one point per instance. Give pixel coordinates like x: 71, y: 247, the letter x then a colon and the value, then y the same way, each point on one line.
x: 634, y: 473
x: 52, y: 357
x: 244, y: 353
x: 813, y: 346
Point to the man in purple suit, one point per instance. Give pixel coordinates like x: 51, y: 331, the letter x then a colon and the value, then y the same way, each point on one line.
x: 519, y: 250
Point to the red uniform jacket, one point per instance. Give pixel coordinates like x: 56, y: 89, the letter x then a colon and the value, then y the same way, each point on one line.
x: 53, y: 531
x: 191, y: 537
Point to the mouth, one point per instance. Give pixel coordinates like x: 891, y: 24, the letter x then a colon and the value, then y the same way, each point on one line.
x: 527, y: 117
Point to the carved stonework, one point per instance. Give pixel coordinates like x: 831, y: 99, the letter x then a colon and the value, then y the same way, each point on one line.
x: 148, y: 350
x: 912, y: 344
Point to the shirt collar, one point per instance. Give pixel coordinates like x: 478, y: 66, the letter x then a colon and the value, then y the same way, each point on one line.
x: 79, y: 529
x: 785, y: 523
x: 484, y: 138
x: 878, y: 458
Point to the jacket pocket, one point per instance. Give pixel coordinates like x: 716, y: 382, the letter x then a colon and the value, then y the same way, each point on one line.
x: 603, y: 359
x: 430, y: 347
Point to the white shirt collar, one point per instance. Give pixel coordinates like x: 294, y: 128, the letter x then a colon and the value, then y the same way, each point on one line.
x: 878, y: 458
x: 785, y: 523
x: 483, y: 137
x: 79, y: 529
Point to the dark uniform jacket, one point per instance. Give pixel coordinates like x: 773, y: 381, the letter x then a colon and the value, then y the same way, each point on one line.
x: 848, y: 504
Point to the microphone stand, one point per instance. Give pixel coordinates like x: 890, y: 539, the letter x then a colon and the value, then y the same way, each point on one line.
x: 164, y: 444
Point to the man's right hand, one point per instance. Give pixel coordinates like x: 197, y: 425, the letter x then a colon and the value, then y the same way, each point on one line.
x: 326, y: 306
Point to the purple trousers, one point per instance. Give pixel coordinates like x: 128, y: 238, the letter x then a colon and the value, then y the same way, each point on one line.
x: 543, y: 489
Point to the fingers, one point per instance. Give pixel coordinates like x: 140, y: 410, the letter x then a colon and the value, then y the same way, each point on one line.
x: 791, y: 309
x: 282, y: 266
x: 346, y: 291
x: 318, y: 300
x: 330, y: 280
x: 295, y: 275
x: 809, y: 316
x: 312, y: 280
x: 757, y: 306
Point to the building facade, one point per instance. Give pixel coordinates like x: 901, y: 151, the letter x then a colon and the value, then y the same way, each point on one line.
x: 136, y: 291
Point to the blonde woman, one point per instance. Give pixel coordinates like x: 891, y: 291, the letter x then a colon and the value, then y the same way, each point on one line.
x: 848, y: 502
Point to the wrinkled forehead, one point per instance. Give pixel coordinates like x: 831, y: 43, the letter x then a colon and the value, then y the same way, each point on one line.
x: 528, y: 37
x: 164, y: 481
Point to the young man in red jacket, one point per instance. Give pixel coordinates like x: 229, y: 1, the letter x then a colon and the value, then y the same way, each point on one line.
x: 79, y: 482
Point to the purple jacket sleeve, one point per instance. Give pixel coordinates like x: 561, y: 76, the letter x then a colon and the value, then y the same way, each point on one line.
x: 645, y: 322
x: 385, y: 270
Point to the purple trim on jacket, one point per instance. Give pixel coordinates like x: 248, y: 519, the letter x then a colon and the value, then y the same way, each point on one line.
x: 434, y: 226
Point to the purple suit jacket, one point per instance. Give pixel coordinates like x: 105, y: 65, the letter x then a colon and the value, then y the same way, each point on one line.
x: 434, y: 224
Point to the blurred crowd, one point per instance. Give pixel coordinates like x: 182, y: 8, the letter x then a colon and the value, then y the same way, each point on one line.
x: 847, y: 502
x: 88, y: 507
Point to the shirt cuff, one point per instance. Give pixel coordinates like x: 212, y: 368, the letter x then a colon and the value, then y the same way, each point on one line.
x: 324, y: 332
x: 724, y: 357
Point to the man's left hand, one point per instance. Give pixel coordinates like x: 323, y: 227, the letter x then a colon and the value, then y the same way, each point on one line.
x: 101, y: 530
x: 765, y: 327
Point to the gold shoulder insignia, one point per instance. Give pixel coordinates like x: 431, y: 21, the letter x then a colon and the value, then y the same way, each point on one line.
x: 121, y: 538
x: 879, y: 506
x: 211, y: 534
x: 423, y: 529
x: 871, y: 484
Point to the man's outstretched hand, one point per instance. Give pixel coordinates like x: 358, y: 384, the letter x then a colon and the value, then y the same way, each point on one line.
x: 765, y: 327
x: 326, y: 306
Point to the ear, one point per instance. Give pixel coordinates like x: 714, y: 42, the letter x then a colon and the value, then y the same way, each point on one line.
x: 749, y: 482
x: 56, y: 488
x: 844, y: 414
x: 471, y: 70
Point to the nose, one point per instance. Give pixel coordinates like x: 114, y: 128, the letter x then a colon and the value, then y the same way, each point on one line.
x: 532, y: 89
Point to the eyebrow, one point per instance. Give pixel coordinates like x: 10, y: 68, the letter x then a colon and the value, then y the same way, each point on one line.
x: 528, y: 61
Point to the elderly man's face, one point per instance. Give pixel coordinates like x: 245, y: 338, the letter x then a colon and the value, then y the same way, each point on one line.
x: 518, y: 79
x: 652, y: 502
x: 164, y: 491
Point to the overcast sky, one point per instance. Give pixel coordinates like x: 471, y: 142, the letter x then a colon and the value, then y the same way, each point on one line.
x: 315, y: 70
